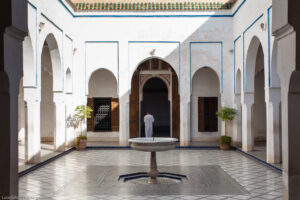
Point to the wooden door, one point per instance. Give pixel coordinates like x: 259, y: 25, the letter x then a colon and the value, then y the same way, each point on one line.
x: 175, y: 107
x: 115, y: 110
x: 90, y: 121
x: 134, y: 106
x: 207, y: 118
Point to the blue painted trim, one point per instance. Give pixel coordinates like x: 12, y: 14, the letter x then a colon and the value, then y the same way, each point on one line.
x: 150, y: 16
x: 62, y: 53
x: 197, y: 147
x: 56, y: 26
x: 179, y: 57
x: 154, y: 42
x: 108, y: 147
x: 207, y: 42
x: 234, y: 61
x: 69, y: 37
x: 260, y: 161
x: 129, y: 148
x: 269, y: 45
x: 118, y: 55
x: 245, y: 31
x: 101, y: 41
x: 31, y: 4
x: 238, y: 8
x: 41, y: 164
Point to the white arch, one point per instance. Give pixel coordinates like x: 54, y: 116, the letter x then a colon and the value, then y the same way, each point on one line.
x: 250, y: 64
x: 155, y: 76
x: 238, y: 82
x: 110, y: 74
x: 29, y: 70
x: 149, y: 58
x: 206, y: 67
x: 56, y: 63
x: 69, y: 81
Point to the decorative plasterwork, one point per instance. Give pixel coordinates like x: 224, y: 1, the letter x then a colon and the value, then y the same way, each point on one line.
x: 149, y: 5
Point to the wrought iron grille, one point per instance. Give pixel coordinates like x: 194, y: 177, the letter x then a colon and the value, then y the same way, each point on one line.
x: 102, y: 118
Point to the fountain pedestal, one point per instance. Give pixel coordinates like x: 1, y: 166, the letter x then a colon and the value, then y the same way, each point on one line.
x: 153, y: 172
x: 152, y: 145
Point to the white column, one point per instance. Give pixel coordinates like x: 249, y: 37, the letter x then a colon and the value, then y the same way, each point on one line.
x: 70, y: 130
x: 273, y: 126
x: 33, y: 136
x: 124, y: 92
x: 237, y: 123
x: 32, y: 126
x: 248, y: 137
x: 185, y: 138
x: 124, y: 120
x: 60, y: 122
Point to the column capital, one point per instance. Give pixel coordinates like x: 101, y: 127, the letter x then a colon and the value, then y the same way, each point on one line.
x: 32, y: 95
x: 275, y: 95
x: 58, y: 97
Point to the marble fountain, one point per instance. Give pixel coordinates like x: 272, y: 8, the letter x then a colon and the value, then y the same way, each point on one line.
x: 152, y: 145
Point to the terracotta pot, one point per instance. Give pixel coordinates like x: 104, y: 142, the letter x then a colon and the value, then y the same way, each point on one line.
x: 81, y: 145
x: 225, y: 146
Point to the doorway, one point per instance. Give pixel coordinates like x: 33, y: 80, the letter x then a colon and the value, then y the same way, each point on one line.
x: 155, y: 76
x: 155, y: 100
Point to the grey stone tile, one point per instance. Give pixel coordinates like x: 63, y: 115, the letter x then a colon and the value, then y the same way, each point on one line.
x: 48, y: 181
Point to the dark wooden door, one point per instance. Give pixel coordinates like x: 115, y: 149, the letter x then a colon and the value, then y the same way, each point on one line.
x: 115, y: 112
x: 90, y: 121
x: 207, y: 118
x: 175, y: 107
x: 134, y: 106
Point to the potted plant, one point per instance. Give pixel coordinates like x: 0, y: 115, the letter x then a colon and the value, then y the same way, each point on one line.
x: 82, y: 112
x: 226, y: 114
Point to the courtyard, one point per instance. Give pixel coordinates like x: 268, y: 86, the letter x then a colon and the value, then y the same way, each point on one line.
x: 93, y: 174
x: 116, y: 77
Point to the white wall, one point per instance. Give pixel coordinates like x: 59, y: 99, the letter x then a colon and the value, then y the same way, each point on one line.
x: 119, y: 44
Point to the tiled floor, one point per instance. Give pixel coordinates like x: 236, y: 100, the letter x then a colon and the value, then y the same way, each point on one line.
x: 58, y: 179
x: 260, y: 152
x: 47, y: 151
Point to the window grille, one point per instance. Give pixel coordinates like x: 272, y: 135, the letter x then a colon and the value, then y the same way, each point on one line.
x: 102, y: 114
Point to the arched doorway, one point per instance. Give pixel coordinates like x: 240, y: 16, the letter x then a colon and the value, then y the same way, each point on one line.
x: 52, y: 131
x: 103, y: 98
x: 205, y: 101
x: 254, y: 107
x: 160, y: 75
x: 156, y: 101
x: 259, y: 107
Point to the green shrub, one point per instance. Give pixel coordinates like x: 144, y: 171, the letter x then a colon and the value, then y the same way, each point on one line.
x: 226, y: 114
x: 81, y: 137
x: 225, y: 140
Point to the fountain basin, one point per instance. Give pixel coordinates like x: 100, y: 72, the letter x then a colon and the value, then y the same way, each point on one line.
x: 153, y: 144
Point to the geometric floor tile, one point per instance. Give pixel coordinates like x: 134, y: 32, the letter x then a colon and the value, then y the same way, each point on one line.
x: 57, y: 180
